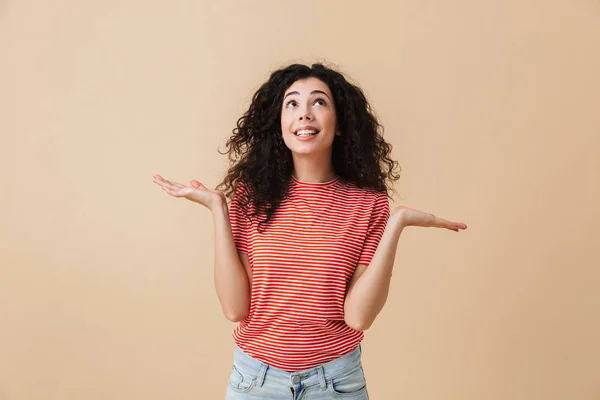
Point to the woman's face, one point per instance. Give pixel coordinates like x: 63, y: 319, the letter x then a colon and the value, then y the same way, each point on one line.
x: 308, y: 119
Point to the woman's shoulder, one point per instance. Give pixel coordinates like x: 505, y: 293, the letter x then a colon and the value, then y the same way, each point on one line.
x: 364, y: 192
x: 241, y: 192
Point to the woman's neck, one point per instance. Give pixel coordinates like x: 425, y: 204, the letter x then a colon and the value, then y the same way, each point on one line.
x: 315, y: 171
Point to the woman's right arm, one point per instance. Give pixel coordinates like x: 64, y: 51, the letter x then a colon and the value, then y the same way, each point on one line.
x: 232, y: 270
x: 232, y: 275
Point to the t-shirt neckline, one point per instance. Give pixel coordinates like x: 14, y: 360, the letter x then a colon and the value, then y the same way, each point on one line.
x: 314, y: 184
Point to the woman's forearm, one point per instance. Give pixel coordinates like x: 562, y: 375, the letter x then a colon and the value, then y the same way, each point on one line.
x: 231, y: 279
x: 367, y: 296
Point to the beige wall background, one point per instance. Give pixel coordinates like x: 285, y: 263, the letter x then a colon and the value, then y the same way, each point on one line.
x: 106, y: 283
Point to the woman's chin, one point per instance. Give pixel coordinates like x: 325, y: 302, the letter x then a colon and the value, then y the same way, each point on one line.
x: 306, y: 150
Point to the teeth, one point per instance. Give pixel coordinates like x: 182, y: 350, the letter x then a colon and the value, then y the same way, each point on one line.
x: 306, y: 132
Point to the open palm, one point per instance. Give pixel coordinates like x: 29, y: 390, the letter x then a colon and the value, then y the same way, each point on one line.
x: 412, y: 217
x: 196, y: 192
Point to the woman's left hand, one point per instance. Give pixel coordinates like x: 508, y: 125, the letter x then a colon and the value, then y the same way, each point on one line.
x: 411, y: 217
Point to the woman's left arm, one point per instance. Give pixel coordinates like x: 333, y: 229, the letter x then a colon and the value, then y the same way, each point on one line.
x: 368, y: 289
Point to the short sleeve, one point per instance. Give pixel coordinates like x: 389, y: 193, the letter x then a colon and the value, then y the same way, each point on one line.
x: 379, y: 218
x: 238, y: 218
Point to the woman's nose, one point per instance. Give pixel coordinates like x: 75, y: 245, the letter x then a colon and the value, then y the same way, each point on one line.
x: 305, y: 116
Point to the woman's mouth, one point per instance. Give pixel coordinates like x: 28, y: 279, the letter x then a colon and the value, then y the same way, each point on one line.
x: 305, y: 132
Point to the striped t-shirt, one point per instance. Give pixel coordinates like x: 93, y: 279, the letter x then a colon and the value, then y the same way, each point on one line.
x: 301, y: 265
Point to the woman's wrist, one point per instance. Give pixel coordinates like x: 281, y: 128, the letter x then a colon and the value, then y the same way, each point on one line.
x: 397, y: 221
x: 219, y: 205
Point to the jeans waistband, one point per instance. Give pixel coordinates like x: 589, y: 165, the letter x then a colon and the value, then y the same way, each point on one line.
x: 316, y: 375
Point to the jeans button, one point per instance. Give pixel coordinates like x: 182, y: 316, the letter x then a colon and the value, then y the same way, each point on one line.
x: 295, y: 379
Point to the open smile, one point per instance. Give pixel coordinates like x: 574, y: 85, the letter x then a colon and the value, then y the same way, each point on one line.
x: 305, y: 131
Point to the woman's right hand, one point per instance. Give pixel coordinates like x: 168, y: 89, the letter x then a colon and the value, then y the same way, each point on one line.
x: 197, y: 192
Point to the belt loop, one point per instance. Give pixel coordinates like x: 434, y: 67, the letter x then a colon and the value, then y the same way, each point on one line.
x: 260, y: 379
x: 322, y: 381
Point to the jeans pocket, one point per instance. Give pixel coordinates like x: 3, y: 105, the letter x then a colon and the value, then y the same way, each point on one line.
x: 241, y: 381
x: 352, y: 383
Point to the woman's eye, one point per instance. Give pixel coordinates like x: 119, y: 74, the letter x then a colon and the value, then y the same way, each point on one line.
x: 293, y: 103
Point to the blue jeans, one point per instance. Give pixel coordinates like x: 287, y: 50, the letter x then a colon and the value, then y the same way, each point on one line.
x: 342, y: 378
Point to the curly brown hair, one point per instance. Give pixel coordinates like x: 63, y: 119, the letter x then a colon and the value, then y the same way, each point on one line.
x: 259, y: 158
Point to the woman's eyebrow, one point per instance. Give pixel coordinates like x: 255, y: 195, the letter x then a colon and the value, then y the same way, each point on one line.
x: 313, y: 92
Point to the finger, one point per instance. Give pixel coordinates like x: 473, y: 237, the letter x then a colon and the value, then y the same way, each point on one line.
x: 159, y: 179
x: 163, y: 184
x: 197, y: 184
x: 177, y: 185
x: 173, y: 192
x: 457, y: 226
x: 443, y: 223
x: 182, y: 191
x: 169, y: 184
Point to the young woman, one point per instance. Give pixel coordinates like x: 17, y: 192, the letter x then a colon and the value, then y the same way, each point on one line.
x: 304, y: 253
